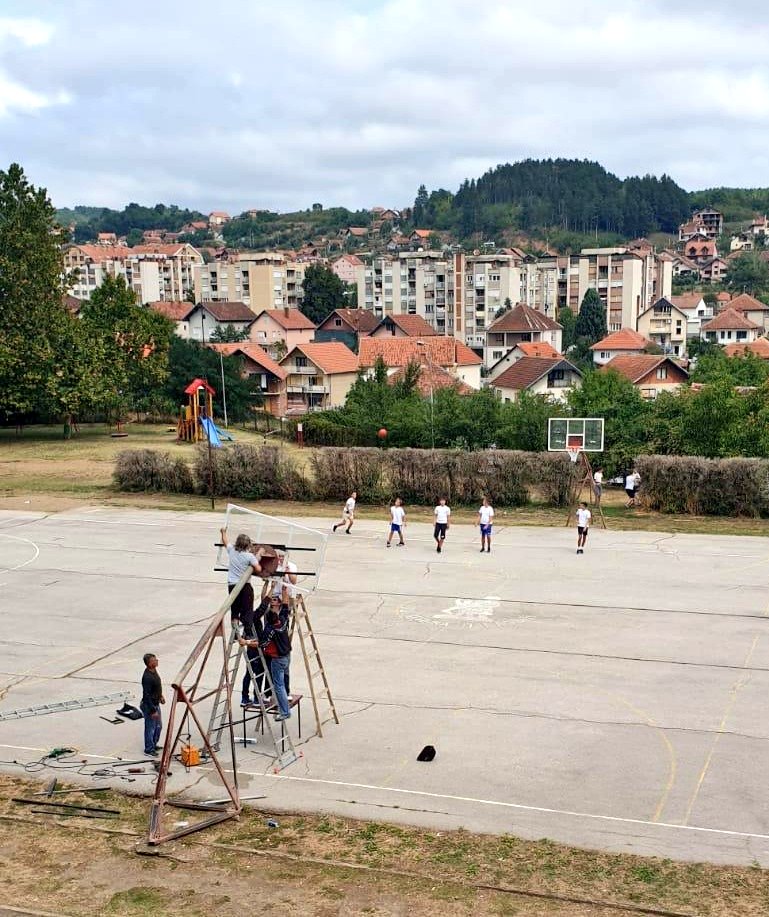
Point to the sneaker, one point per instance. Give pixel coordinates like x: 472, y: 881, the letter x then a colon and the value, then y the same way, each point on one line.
x: 281, y: 717
x: 347, y: 531
x: 245, y: 702
x: 334, y: 528
x: 482, y: 550
x: 438, y: 548
x: 388, y: 544
x: 152, y: 754
x: 401, y: 544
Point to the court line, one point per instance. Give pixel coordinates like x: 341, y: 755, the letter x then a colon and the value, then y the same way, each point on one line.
x: 24, y: 563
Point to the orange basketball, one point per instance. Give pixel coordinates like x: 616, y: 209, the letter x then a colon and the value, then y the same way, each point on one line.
x: 382, y: 433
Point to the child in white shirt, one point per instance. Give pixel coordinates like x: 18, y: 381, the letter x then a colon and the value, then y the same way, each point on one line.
x: 442, y: 515
x: 485, y: 519
x: 583, y: 524
x: 397, y: 521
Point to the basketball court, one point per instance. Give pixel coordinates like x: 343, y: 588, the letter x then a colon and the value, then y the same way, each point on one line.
x: 614, y: 700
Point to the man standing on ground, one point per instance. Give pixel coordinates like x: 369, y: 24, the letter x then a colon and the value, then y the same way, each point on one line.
x: 630, y: 489
x: 583, y: 524
x: 348, y: 513
x: 485, y: 520
x: 152, y: 698
x: 442, y: 514
x: 397, y: 522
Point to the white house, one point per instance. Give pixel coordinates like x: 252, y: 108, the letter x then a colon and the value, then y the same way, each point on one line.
x: 619, y: 343
x: 553, y: 377
x: 665, y: 325
x: 730, y: 327
x: 204, y: 318
x: 522, y: 323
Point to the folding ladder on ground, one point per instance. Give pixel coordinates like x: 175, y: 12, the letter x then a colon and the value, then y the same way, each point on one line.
x: 314, y: 667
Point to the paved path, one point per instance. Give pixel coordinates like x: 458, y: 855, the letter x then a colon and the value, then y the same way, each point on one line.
x: 614, y: 700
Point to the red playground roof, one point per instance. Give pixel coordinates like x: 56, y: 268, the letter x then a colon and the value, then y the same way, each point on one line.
x: 196, y: 384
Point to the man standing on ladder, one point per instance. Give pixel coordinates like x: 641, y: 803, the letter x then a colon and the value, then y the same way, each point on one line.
x: 276, y: 645
x: 240, y: 558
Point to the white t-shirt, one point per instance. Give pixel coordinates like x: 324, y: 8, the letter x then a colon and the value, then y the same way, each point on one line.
x: 349, y: 506
x: 583, y: 517
x: 630, y: 482
x: 486, y: 514
x: 397, y: 514
x: 239, y: 560
x: 442, y: 514
x: 278, y: 584
x: 598, y: 477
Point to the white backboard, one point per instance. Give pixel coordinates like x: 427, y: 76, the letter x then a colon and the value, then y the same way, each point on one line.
x: 583, y: 433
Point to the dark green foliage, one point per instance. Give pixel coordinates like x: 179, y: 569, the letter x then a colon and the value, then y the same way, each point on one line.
x: 323, y: 292
x: 748, y: 273
x: 591, y: 320
x: 523, y: 423
x: 714, y: 365
x: 89, y: 221
x: 568, y: 321
x: 226, y: 334
x: 337, y: 472
x: 147, y: 471
x: 250, y: 473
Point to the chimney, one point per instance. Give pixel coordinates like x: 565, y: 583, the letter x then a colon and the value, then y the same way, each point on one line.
x: 285, y: 311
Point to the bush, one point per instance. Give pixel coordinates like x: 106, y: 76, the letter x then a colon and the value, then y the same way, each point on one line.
x: 337, y: 472
x: 144, y: 470
x: 710, y: 487
x: 250, y: 472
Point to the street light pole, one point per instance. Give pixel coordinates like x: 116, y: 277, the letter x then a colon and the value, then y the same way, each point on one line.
x: 224, y: 388
x: 426, y: 350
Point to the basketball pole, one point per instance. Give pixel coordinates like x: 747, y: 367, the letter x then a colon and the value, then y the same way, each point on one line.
x: 586, y: 481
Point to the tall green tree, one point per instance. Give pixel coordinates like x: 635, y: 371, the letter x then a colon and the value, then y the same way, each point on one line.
x: 591, y: 320
x: 748, y: 274
x: 323, y: 292
x: 568, y: 320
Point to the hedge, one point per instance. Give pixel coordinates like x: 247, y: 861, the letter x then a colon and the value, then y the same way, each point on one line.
x: 144, y: 470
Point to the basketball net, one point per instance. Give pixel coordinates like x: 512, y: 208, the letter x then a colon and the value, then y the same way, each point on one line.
x: 573, y: 452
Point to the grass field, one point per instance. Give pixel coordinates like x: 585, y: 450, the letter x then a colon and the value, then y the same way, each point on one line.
x: 40, y: 470
x: 324, y: 865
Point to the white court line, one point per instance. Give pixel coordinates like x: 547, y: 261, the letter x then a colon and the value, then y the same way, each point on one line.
x: 23, y: 563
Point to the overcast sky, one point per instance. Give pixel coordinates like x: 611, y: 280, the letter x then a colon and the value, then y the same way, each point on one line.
x: 254, y: 103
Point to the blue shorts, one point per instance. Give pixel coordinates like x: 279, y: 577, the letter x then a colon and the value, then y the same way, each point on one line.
x: 395, y: 528
x: 485, y: 529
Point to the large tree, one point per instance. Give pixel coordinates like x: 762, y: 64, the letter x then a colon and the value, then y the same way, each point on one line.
x: 748, y: 273
x: 591, y: 321
x: 323, y: 292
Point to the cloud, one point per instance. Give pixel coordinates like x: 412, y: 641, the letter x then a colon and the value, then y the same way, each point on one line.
x: 357, y: 102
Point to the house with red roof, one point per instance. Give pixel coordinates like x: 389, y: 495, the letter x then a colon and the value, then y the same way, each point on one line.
x: 759, y: 348
x: 403, y: 326
x: 521, y: 350
x: 517, y: 325
x: 318, y: 376
x: 650, y: 373
x: 700, y: 249
x: 206, y: 317
x: 665, y: 325
x: 752, y: 308
x: 347, y: 268
x: 347, y: 326
x: 280, y: 330
x: 624, y: 342
x: 258, y: 365
x: 431, y: 378
x: 730, y: 327
x: 550, y: 377
x: 449, y: 354
x: 177, y: 312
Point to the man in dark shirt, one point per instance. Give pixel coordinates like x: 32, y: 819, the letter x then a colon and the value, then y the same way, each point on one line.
x: 276, y: 645
x: 152, y: 698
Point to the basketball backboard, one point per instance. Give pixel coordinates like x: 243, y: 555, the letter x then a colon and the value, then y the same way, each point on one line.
x: 565, y: 434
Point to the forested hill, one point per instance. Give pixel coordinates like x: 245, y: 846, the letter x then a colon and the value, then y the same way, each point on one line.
x: 568, y: 194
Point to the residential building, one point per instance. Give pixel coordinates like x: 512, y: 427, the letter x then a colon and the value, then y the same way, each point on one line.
x: 347, y: 326
x: 318, y: 376
x: 280, y: 330
x: 742, y: 242
x: 454, y: 356
x: 552, y: 377
x: 522, y: 349
x: 431, y: 378
x: 177, y: 312
x: 346, y: 268
x: 753, y: 309
x: 262, y: 280
x: 259, y: 366
x: 488, y: 282
x: 759, y: 348
x: 625, y: 342
x: 403, y: 326
x: 696, y: 311
x: 72, y: 304
x: 730, y: 327
x: 521, y: 323
x: 650, y: 373
x: 420, y: 236
x: 700, y: 249
x: 218, y: 218
x: 205, y: 318
x: 153, y: 272
x: 714, y: 271
x: 759, y: 226
x: 665, y: 325
x: 106, y: 238
x: 683, y: 267
x: 708, y: 222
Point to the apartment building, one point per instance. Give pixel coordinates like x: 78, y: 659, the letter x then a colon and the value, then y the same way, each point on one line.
x: 262, y: 280
x: 154, y: 272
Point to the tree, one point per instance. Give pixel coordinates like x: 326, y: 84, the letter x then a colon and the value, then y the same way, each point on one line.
x: 568, y: 321
x: 420, y: 206
x: 523, y: 423
x: 317, y: 208
x: 591, y: 320
x: 323, y: 292
x: 225, y: 334
x: 134, y: 237
x: 749, y: 274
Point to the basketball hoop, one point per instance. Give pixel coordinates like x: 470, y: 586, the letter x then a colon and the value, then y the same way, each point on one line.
x: 573, y: 452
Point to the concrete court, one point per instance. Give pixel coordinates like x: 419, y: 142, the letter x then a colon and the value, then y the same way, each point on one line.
x: 615, y: 700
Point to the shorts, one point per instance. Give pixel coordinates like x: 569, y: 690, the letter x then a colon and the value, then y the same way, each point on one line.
x: 486, y: 529
x: 597, y: 489
x: 346, y: 515
x: 395, y: 528
x: 630, y: 492
x: 582, y: 530
x: 440, y: 530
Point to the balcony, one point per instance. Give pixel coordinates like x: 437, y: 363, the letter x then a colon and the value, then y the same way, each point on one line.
x: 307, y: 389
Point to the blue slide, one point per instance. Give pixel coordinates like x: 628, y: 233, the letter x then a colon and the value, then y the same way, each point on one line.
x: 225, y: 434
x: 211, y: 432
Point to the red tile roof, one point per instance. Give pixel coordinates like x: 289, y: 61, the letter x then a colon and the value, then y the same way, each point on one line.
x: 522, y: 319
x: 687, y: 300
x: 438, y: 350
x: 422, y: 233
x: 759, y: 347
x: 331, y: 357
x: 730, y: 320
x: 624, y: 339
x: 414, y: 326
x: 253, y: 352
x: 361, y: 320
x: 747, y: 303
x: 538, y: 349
x: 289, y: 319
x: 350, y: 259
x: 432, y: 378
x: 228, y: 311
x: 73, y: 304
x: 176, y: 311
x: 723, y: 297
x: 635, y: 366
x: 358, y: 230
x: 528, y: 370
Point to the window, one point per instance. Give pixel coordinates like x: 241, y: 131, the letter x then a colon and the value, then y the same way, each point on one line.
x: 300, y: 362
x: 742, y: 335
x: 604, y: 354
x: 662, y: 372
x: 496, y: 354
x: 338, y: 322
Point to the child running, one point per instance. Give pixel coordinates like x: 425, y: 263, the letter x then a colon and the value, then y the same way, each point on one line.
x: 583, y: 524
x: 485, y: 519
x: 442, y: 514
x: 348, y: 513
x: 397, y: 522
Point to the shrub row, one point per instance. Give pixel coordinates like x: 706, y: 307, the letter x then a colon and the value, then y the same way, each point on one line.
x: 705, y: 487
x: 143, y: 470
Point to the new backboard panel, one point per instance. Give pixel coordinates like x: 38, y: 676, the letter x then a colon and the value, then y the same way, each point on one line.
x: 583, y: 433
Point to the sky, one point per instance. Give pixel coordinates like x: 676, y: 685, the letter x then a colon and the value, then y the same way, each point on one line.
x: 245, y: 104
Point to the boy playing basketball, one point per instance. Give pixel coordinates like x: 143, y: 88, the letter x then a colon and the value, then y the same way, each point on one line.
x: 348, y: 514
x: 583, y: 524
x: 442, y: 514
x: 397, y: 521
x: 485, y: 519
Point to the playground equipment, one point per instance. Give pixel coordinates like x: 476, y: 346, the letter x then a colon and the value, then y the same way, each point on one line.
x: 200, y: 398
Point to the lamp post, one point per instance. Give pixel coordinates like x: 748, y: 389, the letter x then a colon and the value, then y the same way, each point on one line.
x: 426, y: 351
x: 202, y: 394
x: 224, y: 388
x: 203, y: 327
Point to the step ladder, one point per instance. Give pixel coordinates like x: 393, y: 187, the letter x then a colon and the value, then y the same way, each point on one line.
x: 62, y: 706
x: 314, y: 667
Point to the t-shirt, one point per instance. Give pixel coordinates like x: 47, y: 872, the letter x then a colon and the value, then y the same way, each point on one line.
x: 583, y: 517
x: 239, y: 560
x: 442, y: 514
x: 397, y: 514
x: 630, y: 482
x: 598, y: 477
x: 152, y: 690
x: 349, y: 506
x: 486, y: 514
x: 278, y: 584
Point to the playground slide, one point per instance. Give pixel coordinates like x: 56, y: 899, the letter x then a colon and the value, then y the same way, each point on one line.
x: 211, y: 432
x: 225, y: 434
